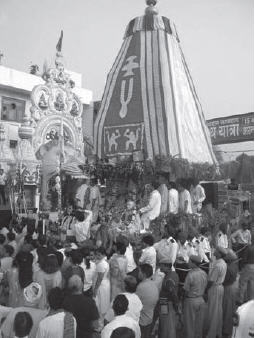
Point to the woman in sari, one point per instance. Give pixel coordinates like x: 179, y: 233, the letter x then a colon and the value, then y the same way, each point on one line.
x: 168, y: 301
x: 19, y: 277
x: 230, y: 293
x: 102, y: 287
x: 49, y: 277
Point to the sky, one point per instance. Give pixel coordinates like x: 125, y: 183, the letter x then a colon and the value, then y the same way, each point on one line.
x: 216, y: 37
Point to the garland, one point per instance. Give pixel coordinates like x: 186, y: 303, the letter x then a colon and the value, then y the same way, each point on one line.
x: 128, y: 169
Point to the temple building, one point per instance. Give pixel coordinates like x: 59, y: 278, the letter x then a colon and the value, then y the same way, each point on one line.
x: 45, y: 121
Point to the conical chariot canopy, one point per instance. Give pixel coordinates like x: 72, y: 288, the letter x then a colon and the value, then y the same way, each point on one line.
x: 150, y: 102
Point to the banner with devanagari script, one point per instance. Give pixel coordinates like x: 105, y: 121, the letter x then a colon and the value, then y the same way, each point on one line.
x: 231, y: 129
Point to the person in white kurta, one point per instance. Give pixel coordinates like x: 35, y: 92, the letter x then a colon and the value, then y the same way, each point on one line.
x: 173, y: 199
x: 222, y: 237
x: 152, y: 210
x: 95, y: 200
x: 197, y: 193
x: 184, y: 200
x: 149, y: 254
x: 82, y: 225
x: 80, y: 196
x: 163, y: 190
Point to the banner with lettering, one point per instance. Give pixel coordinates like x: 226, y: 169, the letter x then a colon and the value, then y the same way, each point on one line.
x: 232, y: 129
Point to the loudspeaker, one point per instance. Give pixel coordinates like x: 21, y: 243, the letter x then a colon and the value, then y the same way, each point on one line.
x: 211, y: 192
x: 5, y: 217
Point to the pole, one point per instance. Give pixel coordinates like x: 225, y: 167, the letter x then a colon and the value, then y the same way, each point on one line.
x: 61, y: 159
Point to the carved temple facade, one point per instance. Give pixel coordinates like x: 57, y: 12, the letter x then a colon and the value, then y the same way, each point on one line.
x: 43, y: 125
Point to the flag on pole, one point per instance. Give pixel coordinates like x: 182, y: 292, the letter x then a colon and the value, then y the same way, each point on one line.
x: 59, y: 44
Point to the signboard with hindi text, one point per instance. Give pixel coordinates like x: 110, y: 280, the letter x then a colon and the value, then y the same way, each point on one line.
x: 232, y: 129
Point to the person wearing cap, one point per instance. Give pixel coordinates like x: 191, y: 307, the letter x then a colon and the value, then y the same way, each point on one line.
x: 230, y: 292
x: 32, y: 295
x: 168, y: 300
x: 194, y: 304
x: 215, y: 293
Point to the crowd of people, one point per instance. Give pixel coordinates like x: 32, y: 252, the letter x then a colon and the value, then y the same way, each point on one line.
x: 103, y: 279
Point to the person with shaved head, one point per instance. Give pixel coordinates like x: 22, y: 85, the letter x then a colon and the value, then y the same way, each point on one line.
x: 82, y: 307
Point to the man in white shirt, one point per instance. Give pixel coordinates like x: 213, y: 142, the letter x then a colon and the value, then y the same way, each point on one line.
x: 149, y: 255
x: 167, y: 248
x: 120, y: 307
x: 82, y: 226
x: 242, y: 236
x: 152, y: 210
x: 53, y: 325
x: 185, y: 249
x: 222, y: 236
x: 245, y: 321
x: 197, y: 193
x: 173, y: 204
x: 94, y: 199
x: 184, y: 199
x: 129, y: 254
x: 134, y: 303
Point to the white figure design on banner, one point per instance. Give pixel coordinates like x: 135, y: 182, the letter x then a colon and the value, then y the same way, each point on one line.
x: 124, y: 103
x: 132, y: 138
x: 128, y: 68
x: 112, y: 140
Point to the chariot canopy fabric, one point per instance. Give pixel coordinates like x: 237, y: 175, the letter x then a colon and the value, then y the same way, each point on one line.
x: 150, y: 103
